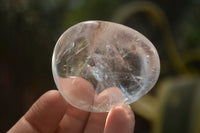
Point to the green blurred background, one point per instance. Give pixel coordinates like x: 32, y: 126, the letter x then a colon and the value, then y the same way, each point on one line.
x: 29, y: 30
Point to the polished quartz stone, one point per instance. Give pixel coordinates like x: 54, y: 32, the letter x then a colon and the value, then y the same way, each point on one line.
x: 98, y: 64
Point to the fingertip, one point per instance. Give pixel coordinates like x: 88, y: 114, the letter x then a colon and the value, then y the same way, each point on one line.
x: 120, y: 120
x: 124, y: 108
x: 78, y: 92
x: 126, y: 112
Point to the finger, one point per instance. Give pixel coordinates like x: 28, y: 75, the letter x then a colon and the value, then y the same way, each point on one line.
x: 120, y: 120
x: 73, y: 121
x: 96, y: 123
x: 44, y: 115
x: 107, y: 99
x: 79, y: 93
x: 104, y: 101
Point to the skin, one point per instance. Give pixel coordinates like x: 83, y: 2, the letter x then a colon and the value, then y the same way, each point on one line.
x: 52, y: 114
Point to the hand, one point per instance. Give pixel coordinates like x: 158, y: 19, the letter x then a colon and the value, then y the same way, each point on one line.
x: 51, y: 114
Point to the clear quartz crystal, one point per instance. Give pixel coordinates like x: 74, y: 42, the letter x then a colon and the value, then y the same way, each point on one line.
x: 98, y: 64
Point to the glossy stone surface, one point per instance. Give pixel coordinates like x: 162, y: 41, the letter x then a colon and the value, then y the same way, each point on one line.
x: 98, y: 64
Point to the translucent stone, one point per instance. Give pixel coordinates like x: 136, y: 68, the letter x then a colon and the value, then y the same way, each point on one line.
x: 98, y: 64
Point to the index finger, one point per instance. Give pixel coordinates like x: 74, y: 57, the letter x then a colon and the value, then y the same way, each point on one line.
x: 44, y: 115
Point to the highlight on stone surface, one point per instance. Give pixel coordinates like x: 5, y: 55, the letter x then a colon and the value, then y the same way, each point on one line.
x: 98, y: 64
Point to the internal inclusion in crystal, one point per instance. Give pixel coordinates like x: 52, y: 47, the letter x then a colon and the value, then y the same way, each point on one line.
x: 108, y: 55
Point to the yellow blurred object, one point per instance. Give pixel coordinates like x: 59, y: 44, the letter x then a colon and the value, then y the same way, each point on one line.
x: 157, y: 16
x: 175, y: 108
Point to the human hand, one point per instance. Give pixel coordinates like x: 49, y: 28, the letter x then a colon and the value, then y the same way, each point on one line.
x: 51, y: 114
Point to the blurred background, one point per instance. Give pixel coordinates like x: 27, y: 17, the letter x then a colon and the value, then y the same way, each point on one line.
x: 29, y: 30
